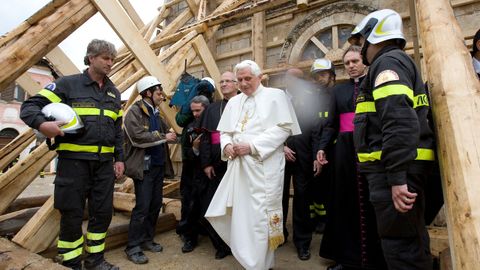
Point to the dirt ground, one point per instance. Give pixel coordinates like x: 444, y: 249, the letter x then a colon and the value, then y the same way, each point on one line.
x: 203, y: 257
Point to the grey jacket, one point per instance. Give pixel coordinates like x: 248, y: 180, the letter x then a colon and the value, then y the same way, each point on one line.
x: 137, y: 138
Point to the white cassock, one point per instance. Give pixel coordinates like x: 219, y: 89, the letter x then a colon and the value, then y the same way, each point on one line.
x: 246, y: 210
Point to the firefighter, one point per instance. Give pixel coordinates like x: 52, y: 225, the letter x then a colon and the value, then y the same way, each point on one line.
x: 88, y: 160
x: 393, y: 140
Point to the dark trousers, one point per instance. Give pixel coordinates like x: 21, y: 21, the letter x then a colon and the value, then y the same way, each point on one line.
x: 302, y: 198
x: 188, y: 225
x: 148, y: 202
x: 76, y: 181
x: 404, y: 238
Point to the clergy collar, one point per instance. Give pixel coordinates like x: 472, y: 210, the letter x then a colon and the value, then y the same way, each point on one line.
x: 259, y: 89
x: 476, y: 65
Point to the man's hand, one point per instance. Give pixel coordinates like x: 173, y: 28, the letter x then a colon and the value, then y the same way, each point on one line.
x: 317, y: 168
x: 209, y: 172
x: 242, y: 149
x: 289, y: 154
x: 322, y: 157
x: 402, y: 198
x: 51, y: 128
x: 171, y: 136
x: 229, y: 152
x: 119, y: 168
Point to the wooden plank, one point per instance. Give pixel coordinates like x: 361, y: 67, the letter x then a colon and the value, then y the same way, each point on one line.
x: 193, y: 6
x: 258, y: 41
x: 455, y: 98
x: 17, y: 178
x: 15, y: 257
x: 28, y: 84
x: 132, y: 13
x: 438, y: 239
x: 13, y: 222
x: 172, y: 187
x: 125, y: 29
x: 201, y: 47
x: 62, y: 62
x: 123, y: 201
x: 41, y: 230
x: 27, y: 202
x: 16, y: 58
x: 13, y: 149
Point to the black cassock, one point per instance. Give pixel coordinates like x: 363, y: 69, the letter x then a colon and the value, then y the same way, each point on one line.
x: 350, y: 236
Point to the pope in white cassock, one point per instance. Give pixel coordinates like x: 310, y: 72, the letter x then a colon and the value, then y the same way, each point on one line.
x: 246, y: 210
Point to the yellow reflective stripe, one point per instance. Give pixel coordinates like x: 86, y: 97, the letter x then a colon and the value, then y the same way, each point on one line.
x: 320, y: 212
x: 110, y: 114
x: 71, y: 123
x: 364, y: 157
x: 95, y: 111
x: 420, y: 100
x: 323, y: 114
x: 84, y: 148
x: 365, y: 107
x: 66, y: 244
x: 120, y: 113
x: 425, y: 154
x: 50, y: 95
x: 95, y: 249
x: 393, y: 89
x: 72, y: 254
x: 422, y: 154
x: 96, y: 236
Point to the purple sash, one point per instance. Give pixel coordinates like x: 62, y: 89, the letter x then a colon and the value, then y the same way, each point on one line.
x: 346, y: 122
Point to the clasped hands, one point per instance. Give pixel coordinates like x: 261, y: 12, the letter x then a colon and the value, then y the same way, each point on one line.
x: 238, y: 149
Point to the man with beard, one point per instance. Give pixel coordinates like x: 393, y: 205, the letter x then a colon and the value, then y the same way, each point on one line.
x: 350, y: 237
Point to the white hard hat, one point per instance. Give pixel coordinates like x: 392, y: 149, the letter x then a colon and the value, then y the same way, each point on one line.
x: 210, y: 80
x: 379, y: 26
x: 321, y: 65
x: 63, y: 112
x: 147, y: 82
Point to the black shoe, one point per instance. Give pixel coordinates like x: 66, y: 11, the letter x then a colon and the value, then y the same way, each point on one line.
x: 152, y: 246
x: 188, y: 246
x: 336, y: 266
x: 304, y: 254
x: 137, y: 257
x: 222, y: 253
x: 104, y: 265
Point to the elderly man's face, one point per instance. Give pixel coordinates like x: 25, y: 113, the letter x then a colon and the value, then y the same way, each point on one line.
x: 248, y: 82
x: 228, y: 84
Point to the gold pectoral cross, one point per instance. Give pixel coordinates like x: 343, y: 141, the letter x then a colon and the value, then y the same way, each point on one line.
x: 244, y: 121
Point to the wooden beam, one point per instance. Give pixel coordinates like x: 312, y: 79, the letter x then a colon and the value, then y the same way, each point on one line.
x: 13, y: 222
x: 62, y: 62
x: 17, y: 178
x: 28, y: 84
x: 192, y: 4
x: 201, y: 47
x: 41, y: 230
x: 132, y: 13
x: 17, y: 57
x: 414, y: 32
x: 13, y: 149
x: 27, y: 202
x: 455, y: 98
x: 301, y: 4
x: 125, y: 29
x: 258, y: 41
x: 14, y: 257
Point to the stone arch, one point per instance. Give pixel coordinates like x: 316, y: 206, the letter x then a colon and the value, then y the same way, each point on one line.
x: 335, y: 19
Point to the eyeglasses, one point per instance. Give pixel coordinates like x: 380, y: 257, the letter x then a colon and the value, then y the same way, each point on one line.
x: 227, y: 81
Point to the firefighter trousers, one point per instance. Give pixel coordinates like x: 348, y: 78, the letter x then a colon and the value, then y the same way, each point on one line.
x: 76, y: 182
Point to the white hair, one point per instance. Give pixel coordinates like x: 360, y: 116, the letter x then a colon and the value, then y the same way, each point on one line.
x: 254, y: 68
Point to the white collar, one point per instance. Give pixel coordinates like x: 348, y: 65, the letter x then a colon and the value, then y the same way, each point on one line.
x: 154, y: 109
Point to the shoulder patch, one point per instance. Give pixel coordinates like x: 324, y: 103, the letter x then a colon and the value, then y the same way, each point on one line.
x: 50, y: 86
x: 111, y: 94
x: 386, y: 76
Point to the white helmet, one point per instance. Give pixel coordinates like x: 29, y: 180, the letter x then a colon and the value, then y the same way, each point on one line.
x: 322, y: 64
x: 379, y: 26
x: 210, y: 80
x: 65, y: 113
x: 147, y: 82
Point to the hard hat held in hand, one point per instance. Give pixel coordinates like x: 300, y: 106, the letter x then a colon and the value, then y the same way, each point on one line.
x: 147, y: 82
x: 63, y: 112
